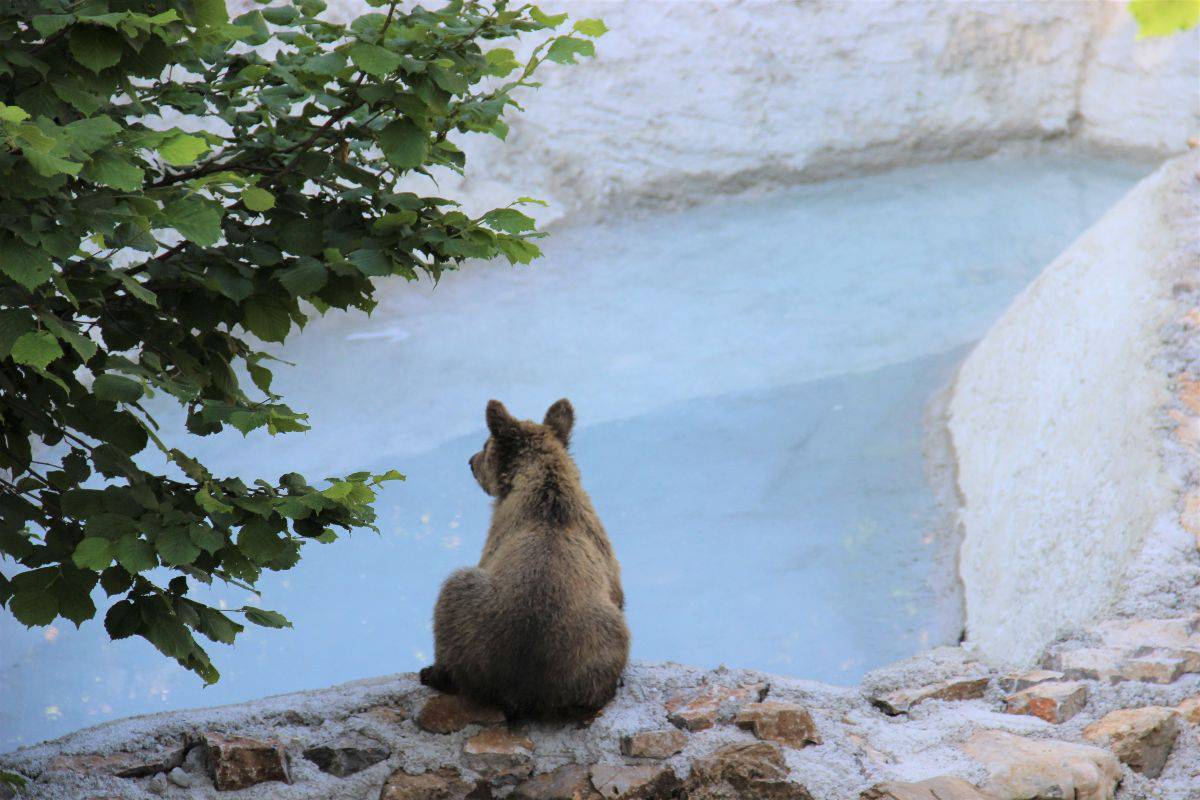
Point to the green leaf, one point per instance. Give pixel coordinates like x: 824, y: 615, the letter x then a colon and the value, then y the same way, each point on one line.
x: 123, y: 620
x: 136, y: 289
x: 108, y: 169
x: 257, y: 199
x: 404, y: 144
x: 374, y: 60
x: 12, y: 113
x: 50, y: 24
x: 197, y: 220
x: 268, y: 619
x: 36, y: 607
x: 591, y: 27
x: 206, y: 538
x: 36, y: 349
x: 182, y: 149
x: 96, y: 48
x: 13, y: 323
x: 1164, y: 17
x: 266, y: 318
x: 92, y: 134
x: 48, y: 165
x: 564, y: 49
x: 211, y: 504
x: 306, y: 277
x: 211, y: 13
x: 136, y: 554
x: 508, y: 220
x: 550, y: 21
x: 176, y: 547
x: 93, y: 553
x: 259, y: 543
x: 28, y: 266
x: 217, y: 626
x: 117, y: 388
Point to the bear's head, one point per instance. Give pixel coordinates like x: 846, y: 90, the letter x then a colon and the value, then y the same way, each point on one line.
x: 517, y: 446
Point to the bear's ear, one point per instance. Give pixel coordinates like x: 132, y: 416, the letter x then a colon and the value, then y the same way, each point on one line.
x: 500, y: 423
x: 560, y: 418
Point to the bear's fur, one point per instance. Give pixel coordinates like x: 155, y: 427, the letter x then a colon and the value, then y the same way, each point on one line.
x: 538, y: 627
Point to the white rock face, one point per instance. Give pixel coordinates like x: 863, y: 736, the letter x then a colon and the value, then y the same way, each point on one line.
x: 686, y: 100
x: 1055, y: 420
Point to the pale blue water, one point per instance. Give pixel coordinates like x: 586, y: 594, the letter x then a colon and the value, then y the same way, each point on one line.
x: 749, y: 379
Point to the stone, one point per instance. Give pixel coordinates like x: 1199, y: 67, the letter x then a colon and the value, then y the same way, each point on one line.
x: 570, y: 782
x: 702, y: 708
x: 180, y: 778
x: 1025, y: 769
x: 1020, y: 681
x: 943, y: 787
x: 1155, y: 666
x: 1089, y: 664
x: 346, y: 759
x: 384, y: 715
x: 961, y: 688
x: 1189, y: 710
x: 625, y: 782
x: 1189, y: 393
x: 1140, y: 737
x: 121, y: 764
x: 1054, y: 701
x: 755, y: 770
x: 787, y: 723
x: 238, y: 761
x: 449, y: 713
x: 662, y: 743
x: 442, y: 784
x: 500, y: 752
x: 1189, y: 517
x: 158, y: 784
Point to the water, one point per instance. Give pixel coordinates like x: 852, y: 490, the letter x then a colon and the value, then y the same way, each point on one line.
x: 749, y: 379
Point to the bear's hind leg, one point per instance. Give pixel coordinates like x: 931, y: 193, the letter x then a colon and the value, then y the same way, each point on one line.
x: 438, y: 678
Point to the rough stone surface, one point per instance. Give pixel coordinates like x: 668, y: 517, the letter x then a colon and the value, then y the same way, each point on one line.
x: 1020, y: 681
x: 625, y: 782
x: 1054, y: 702
x: 962, y: 688
x: 1140, y: 737
x: 180, y: 778
x: 442, y: 784
x: 786, y: 723
x: 500, y: 751
x: 570, y: 782
x: 702, y: 708
x: 449, y: 713
x: 1027, y: 769
x: 343, y: 760
x: 943, y: 787
x: 1189, y: 710
x: 239, y: 761
x: 743, y: 770
x: 662, y: 743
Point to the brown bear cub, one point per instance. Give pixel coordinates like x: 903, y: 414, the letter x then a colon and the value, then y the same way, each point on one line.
x: 537, y: 629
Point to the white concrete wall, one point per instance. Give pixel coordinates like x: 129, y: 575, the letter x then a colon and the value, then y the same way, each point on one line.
x: 1055, y: 419
x: 689, y: 99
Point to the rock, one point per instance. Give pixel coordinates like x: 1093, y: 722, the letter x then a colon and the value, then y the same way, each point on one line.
x: 701, y: 708
x: 624, y: 782
x: 1054, y: 702
x: 448, y: 713
x: 499, y: 752
x: 346, y: 759
x: 572, y: 782
x: 238, y: 761
x: 1189, y: 710
x: 442, y: 784
x: 1140, y: 737
x: 1173, y: 637
x: 755, y: 770
x: 1025, y: 769
x: 384, y: 715
x: 943, y: 787
x: 180, y: 778
x: 158, y: 784
x: 122, y: 764
x: 786, y: 723
x: 1090, y: 664
x: 662, y: 743
x: 1023, y: 680
x: 901, y: 700
x: 1155, y: 666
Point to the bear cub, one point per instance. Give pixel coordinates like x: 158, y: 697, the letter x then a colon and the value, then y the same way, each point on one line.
x: 538, y: 628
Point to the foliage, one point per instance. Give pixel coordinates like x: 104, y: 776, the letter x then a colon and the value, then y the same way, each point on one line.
x: 1164, y: 17
x: 177, y: 187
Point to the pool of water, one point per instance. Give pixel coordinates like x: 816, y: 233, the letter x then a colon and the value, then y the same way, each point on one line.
x: 749, y: 379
